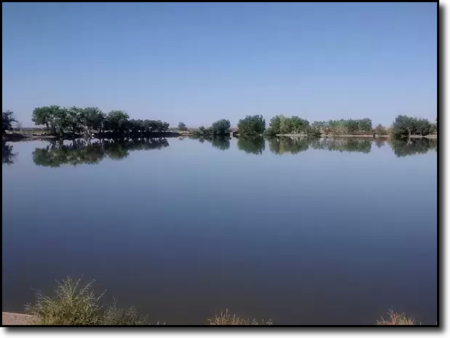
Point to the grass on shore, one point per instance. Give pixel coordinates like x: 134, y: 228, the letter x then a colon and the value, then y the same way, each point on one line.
x: 225, y: 318
x: 396, y: 319
x: 76, y: 304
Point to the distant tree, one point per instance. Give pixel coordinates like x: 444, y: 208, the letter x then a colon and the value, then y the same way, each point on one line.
x: 380, y: 130
x: 92, y: 118
x: 298, y: 125
x: 221, y: 127
x: 275, y: 125
x: 252, y: 125
x: 45, y: 116
x: 405, y: 126
x: 182, y: 126
x: 117, y: 121
x: 7, y: 121
x: 365, y: 125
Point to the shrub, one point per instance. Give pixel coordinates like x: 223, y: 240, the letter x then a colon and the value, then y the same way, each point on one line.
x: 71, y: 305
x: 117, y: 316
x: 396, y: 319
x: 225, y: 318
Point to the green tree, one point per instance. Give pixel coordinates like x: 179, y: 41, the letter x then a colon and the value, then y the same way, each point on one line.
x: 7, y: 121
x: 221, y: 127
x: 404, y: 126
x: 45, y: 116
x: 380, y: 130
x: 92, y: 119
x: 275, y: 125
x: 117, y: 121
x: 182, y: 126
x: 252, y: 125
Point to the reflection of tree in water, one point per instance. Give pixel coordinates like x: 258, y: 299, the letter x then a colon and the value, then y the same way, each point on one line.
x: 380, y: 142
x: 222, y: 143
x: 7, y: 154
x: 81, y: 152
x: 251, y: 145
x: 219, y: 142
x: 283, y: 145
x: 343, y: 144
x: 402, y: 147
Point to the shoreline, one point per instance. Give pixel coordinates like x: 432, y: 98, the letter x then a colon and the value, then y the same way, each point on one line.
x: 16, y: 137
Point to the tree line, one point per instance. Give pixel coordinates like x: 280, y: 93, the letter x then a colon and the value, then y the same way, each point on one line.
x: 59, y: 121
x: 75, y: 121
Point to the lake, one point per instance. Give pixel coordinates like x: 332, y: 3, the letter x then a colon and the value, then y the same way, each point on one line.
x: 322, y: 232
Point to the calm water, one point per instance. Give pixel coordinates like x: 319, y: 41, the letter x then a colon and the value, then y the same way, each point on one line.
x: 323, y: 232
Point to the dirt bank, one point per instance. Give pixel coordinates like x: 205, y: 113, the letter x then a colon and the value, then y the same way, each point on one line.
x: 9, y: 318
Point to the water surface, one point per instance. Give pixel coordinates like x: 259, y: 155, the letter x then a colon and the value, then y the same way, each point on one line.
x: 302, y: 232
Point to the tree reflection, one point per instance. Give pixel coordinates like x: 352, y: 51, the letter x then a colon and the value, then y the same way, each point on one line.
x: 222, y: 143
x: 219, y: 142
x: 87, y: 152
x: 380, y: 142
x: 251, y: 145
x: 402, y: 147
x: 288, y: 145
x: 343, y: 144
x: 7, y: 154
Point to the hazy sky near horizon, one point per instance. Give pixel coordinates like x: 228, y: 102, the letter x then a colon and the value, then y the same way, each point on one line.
x: 200, y: 62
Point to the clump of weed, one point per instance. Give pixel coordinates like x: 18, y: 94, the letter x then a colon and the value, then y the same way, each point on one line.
x: 396, y: 319
x: 71, y: 304
x: 75, y: 304
x: 225, y: 318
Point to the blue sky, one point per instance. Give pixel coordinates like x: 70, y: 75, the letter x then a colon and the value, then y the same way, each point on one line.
x: 199, y: 62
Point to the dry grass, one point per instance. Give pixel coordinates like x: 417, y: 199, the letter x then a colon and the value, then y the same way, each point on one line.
x: 226, y: 318
x: 396, y: 319
x: 116, y: 316
x: 71, y: 305
x: 74, y: 304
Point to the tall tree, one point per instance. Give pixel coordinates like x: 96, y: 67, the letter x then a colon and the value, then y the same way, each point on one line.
x: 252, y: 125
x: 7, y: 121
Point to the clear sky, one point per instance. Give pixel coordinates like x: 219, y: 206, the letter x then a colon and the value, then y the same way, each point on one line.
x: 200, y: 62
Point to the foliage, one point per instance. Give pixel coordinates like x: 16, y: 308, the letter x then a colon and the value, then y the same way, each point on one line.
x: 182, y: 126
x: 380, y: 130
x: 7, y: 120
x: 91, y: 119
x: 221, y: 127
x: 225, y: 318
x: 344, y: 127
x: 406, y: 126
x: 252, y: 125
x: 72, y: 304
x: 396, y: 319
x: 251, y: 145
x: 76, y: 304
x: 126, y: 317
